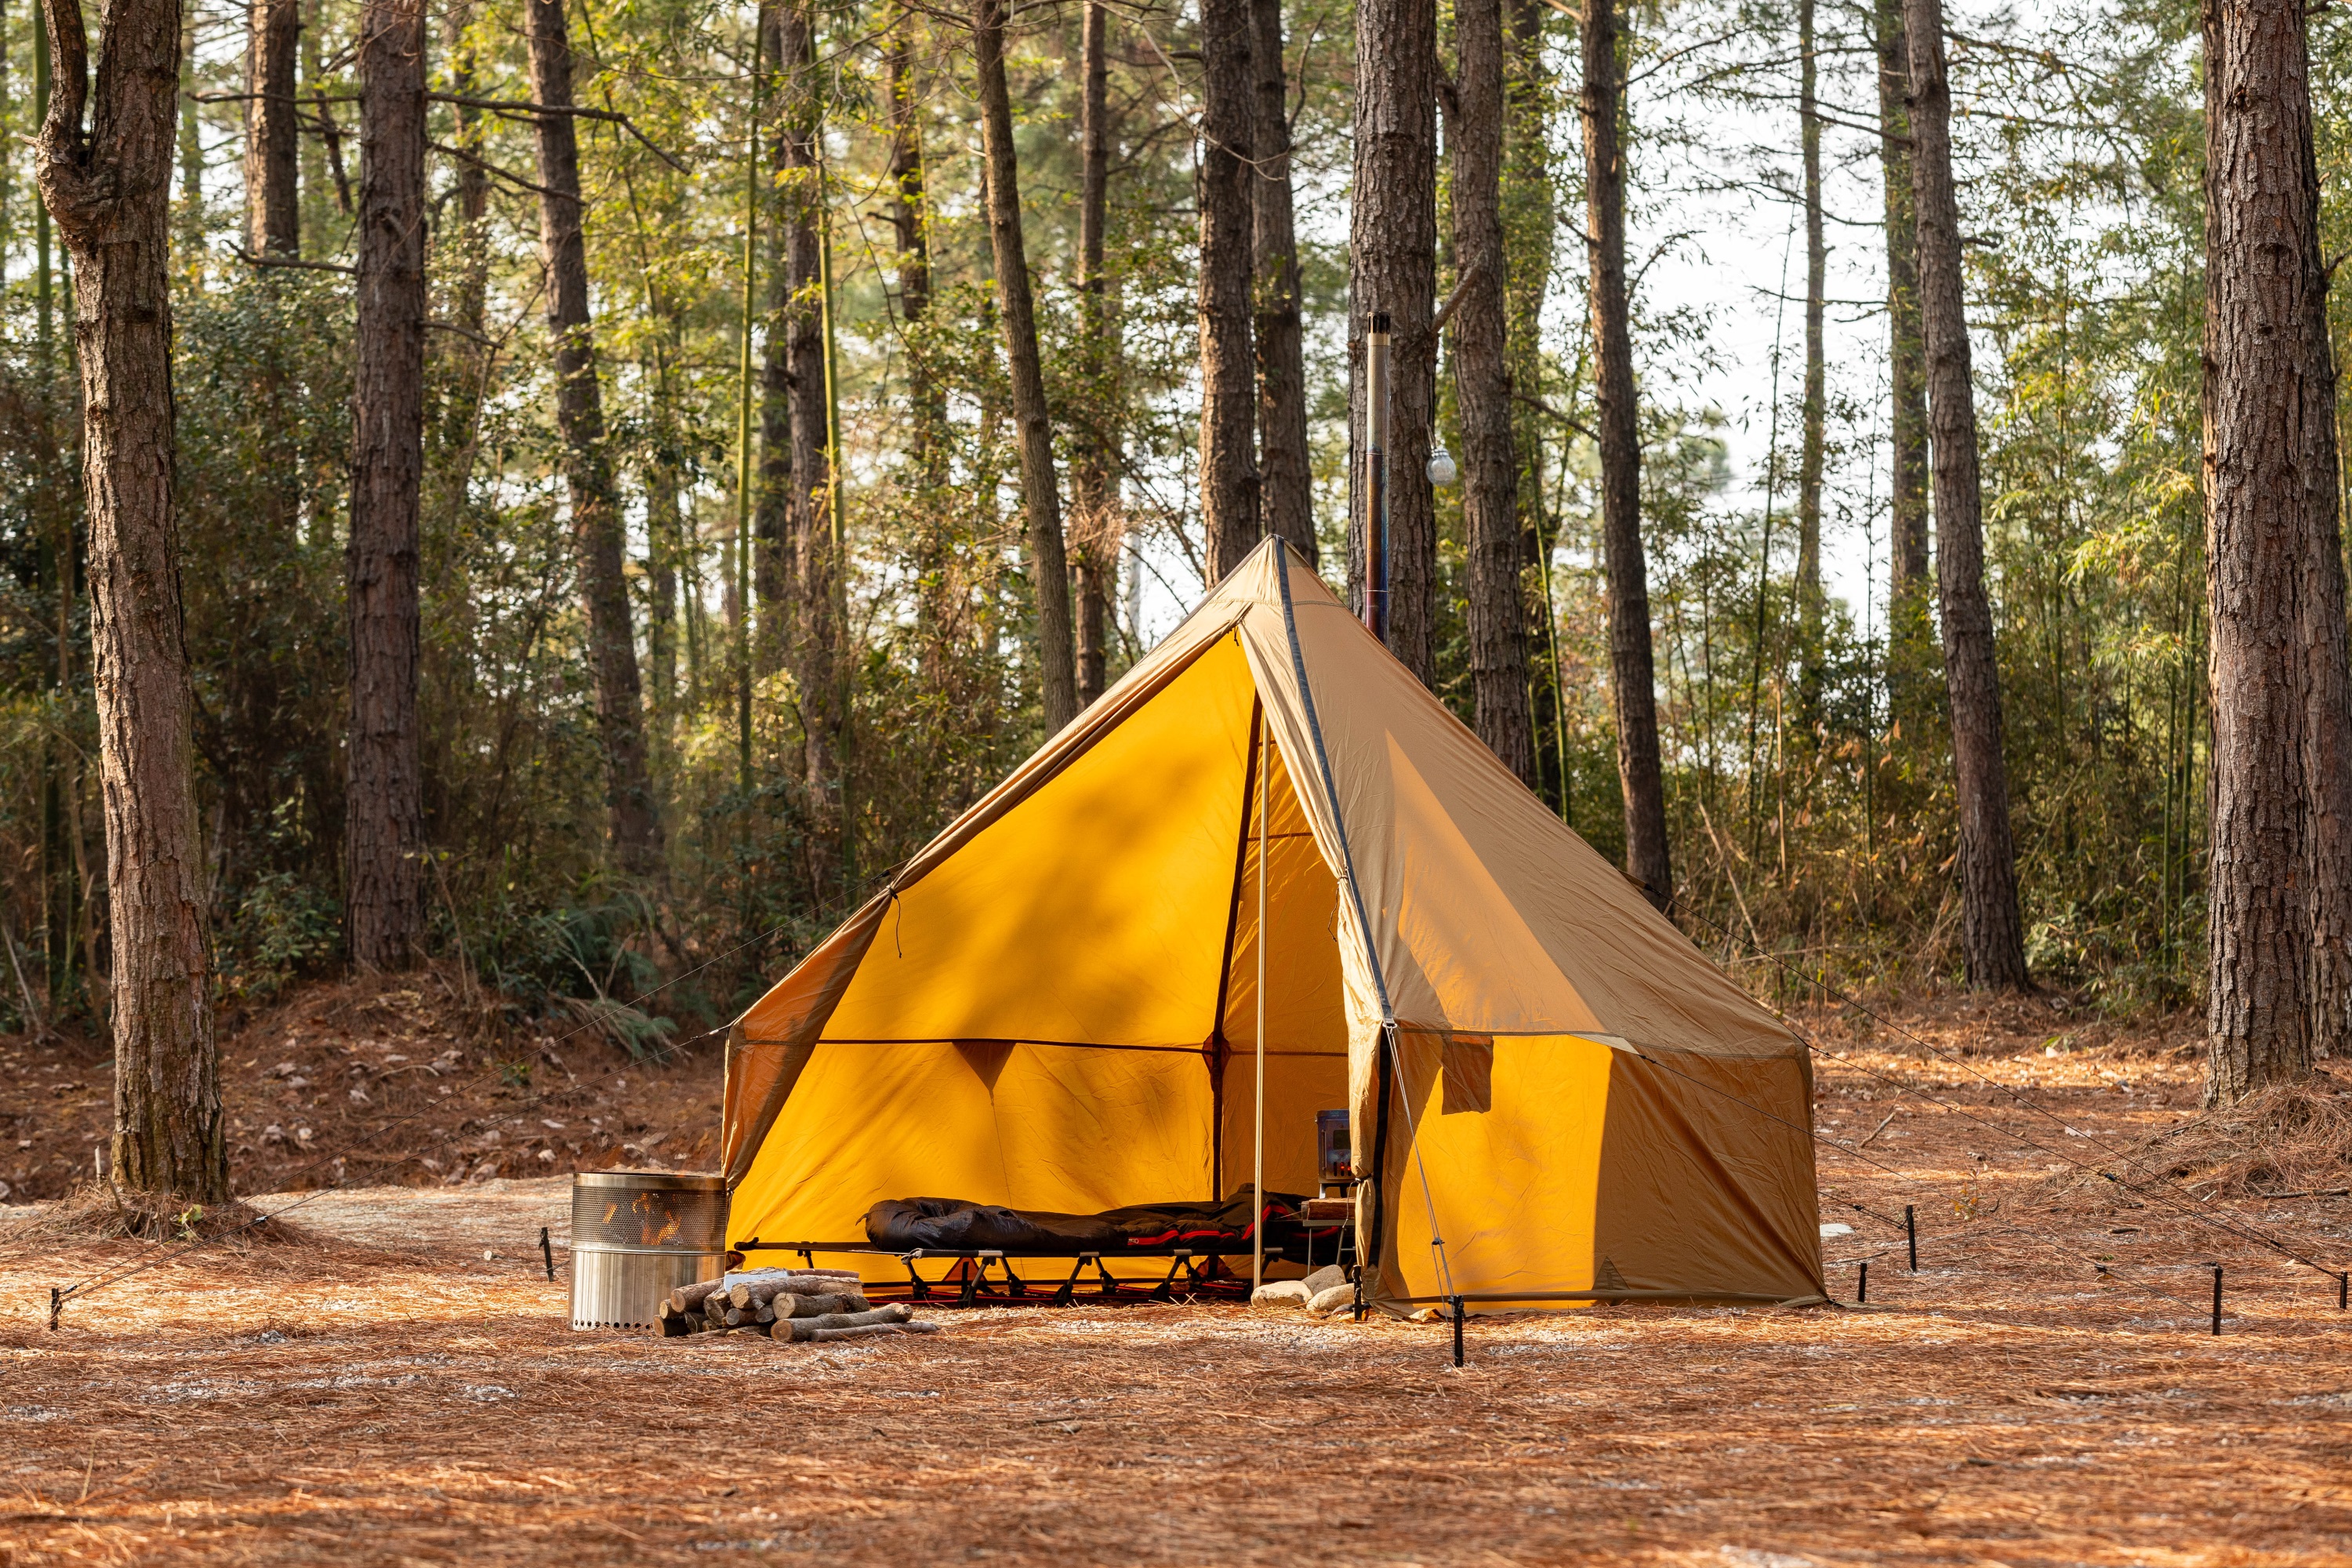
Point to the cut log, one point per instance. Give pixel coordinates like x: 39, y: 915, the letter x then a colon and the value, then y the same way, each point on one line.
x: 752, y: 1293
x: 791, y: 1306
x: 802, y: 1328
x: 863, y: 1331
x: 686, y: 1297
x: 775, y: 1280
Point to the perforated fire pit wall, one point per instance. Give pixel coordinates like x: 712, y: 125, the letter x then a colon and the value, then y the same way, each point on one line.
x: 637, y: 1235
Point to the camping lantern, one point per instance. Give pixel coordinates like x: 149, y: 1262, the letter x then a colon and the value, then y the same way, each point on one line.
x: 1333, y: 1153
x: 637, y: 1235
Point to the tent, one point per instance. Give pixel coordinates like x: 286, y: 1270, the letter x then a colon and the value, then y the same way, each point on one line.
x: 1555, y: 1096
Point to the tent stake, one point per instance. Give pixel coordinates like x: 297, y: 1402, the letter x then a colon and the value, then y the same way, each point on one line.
x: 547, y: 1251
x: 56, y: 1305
x: 1911, y: 1233
x: 2343, y: 1292
x: 1457, y: 1331
x: 1862, y: 1282
x: 2217, y: 1301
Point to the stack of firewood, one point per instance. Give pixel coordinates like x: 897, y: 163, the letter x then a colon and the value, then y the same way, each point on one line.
x: 796, y: 1304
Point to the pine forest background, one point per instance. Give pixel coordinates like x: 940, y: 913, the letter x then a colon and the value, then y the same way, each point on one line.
x: 1808, y: 774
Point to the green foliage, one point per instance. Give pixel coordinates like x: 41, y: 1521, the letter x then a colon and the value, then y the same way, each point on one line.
x: 283, y: 927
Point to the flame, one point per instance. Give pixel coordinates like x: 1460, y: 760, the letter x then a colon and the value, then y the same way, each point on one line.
x: 659, y: 1225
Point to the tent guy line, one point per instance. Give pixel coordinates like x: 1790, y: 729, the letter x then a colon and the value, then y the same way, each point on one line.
x: 2238, y: 1226
x: 1913, y: 1182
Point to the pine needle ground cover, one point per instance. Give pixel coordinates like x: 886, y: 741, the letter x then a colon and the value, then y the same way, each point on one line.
x: 382, y: 1392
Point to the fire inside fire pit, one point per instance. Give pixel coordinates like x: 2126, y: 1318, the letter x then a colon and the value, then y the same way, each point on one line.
x: 638, y: 1234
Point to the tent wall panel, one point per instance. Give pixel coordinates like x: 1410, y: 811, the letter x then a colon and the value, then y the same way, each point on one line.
x: 1093, y: 911
x: 1706, y: 1176
x: 1297, y: 1087
x: 1040, y: 1127
x: 1512, y: 1186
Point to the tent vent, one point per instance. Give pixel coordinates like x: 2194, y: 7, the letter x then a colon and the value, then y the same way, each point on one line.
x: 1608, y: 1278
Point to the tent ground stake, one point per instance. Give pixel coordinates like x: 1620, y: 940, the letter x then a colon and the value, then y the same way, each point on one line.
x: 1457, y: 1331
x: 1911, y: 1233
x: 56, y: 1305
x: 1862, y: 1282
x: 2217, y: 1301
x: 2343, y: 1292
x: 547, y: 1251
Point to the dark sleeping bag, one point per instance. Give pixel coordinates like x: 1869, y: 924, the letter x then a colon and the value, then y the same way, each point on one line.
x: 951, y: 1224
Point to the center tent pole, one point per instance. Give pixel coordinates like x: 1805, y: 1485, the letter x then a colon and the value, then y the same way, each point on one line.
x: 1258, y: 1156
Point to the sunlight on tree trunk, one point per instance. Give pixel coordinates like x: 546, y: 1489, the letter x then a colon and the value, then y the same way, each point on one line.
x: 2270, y: 475
x: 109, y: 192
x: 1632, y: 662
x: 1994, y: 937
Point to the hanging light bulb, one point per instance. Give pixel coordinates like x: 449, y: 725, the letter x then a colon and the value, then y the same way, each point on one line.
x: 1442, y: 472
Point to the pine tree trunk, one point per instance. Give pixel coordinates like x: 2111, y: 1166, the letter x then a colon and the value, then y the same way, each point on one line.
x: 1530, y: 218
x: 907, y: 222
x: 1815, y: 444
x: 273, y: 149
x: 1285, y: 478
x: 1907, y: 371
x: 110, y: 195
x: 2269, y: 473
x: 1228, y: 367
x: 2327, y: 763
x: 1049, y: 566
x: 1095, y: 533
x: 775, y: 558
x: 1994, y: 937
x: 1497, y: 609
x: 596, y: 524
x: 384, y: 791
x: 819, y: 658
x: 1631, y: 660
x: 1393, y: 269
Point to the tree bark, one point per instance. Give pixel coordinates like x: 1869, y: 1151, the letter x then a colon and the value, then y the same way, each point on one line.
x: 1392, y: 268
x: 463, y: 255
x: 1815, y: 442
x: 1907, y: 371
x: 1049, y: 566
x: 2328, y: 763
x: 110, y: 190
x: 596, y: 526
x: 1497, y: 609
x: 1631, y: 660
x: 774, y: 561
x: 911, y: 225
x: 819, y: 657
x: 1094, y: 536
x: 2270, y: 475
x: 1528, y: 223
x: 384, y: 796
x: 1285, y: 478
x: 1228, y: 369
x: 273, y: 148
x: 1994, y: 936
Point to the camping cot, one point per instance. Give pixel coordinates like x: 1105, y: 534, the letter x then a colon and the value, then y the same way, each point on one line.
x: 1555, y: 1098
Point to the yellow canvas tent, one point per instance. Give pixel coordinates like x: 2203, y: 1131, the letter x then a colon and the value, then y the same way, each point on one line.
x: 1054, y: 1005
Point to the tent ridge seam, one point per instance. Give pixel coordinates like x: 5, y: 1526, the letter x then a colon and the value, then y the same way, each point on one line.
x: 1330, y: 788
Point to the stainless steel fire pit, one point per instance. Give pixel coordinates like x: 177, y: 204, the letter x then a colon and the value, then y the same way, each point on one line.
x: 637, y: 1235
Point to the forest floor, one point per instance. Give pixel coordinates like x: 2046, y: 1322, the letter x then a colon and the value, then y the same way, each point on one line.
x: 399, y: 1385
